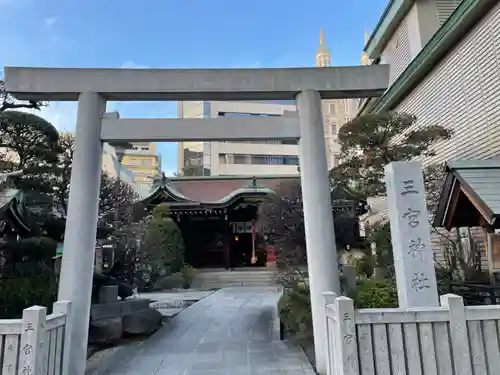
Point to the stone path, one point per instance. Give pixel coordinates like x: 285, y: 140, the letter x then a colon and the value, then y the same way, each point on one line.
x: 231, y: 332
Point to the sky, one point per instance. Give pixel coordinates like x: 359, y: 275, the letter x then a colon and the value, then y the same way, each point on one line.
x: 177, y: 34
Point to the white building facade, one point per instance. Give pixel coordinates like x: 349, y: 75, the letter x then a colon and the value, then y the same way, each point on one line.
x: 114, y: 169
x: 237, y: 158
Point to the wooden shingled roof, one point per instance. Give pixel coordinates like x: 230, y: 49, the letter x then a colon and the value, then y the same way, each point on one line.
x: 471, y: 194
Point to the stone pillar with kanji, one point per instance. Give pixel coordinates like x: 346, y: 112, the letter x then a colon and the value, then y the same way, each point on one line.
x: 410, y: 234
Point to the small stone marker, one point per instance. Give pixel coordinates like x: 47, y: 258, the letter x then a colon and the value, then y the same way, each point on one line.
x: 410, y: 234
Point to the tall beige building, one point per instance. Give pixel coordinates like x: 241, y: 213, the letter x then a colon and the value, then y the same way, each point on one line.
x: 336, y: 112
x: 145, y: 162
x: 237, y: 158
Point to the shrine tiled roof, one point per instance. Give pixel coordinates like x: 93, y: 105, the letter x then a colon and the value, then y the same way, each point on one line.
x: 213, y: 189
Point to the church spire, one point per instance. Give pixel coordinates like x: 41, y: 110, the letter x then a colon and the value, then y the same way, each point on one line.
x: 364, y: 57
x: 323, y: 55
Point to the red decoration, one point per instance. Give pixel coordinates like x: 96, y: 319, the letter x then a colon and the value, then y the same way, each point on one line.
x: 271, y: 255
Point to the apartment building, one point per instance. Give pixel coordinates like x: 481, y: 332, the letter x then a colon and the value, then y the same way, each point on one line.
x: 236, y: 158
x: 145, y: 162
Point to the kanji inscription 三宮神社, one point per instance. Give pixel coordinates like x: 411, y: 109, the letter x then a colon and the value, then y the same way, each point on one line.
x: 410, y: 234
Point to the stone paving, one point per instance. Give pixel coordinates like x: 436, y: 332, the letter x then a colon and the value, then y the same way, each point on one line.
x: 233, y: 331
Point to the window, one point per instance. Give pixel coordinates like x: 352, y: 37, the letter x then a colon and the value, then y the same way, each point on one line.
x: 192, y: 161
x: 241, y: 159
x: 331, y: 108
x: 241, y: 114
x: 267, y: 142
x: 336, y: 160
x: 258, y: 159
x: 334, y: 128
x: 132, y: 161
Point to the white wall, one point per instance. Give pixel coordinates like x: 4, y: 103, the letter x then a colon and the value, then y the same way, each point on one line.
x: 257, y: 149
x: 397, y: 53
x: 256, y: 170
x: 462, y: 93
x: 415, y: 30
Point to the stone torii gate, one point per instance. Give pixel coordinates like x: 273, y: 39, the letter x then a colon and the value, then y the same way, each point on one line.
x: 93, y: 87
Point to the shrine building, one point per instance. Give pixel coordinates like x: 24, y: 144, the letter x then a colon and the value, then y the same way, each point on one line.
x: 218, y: 217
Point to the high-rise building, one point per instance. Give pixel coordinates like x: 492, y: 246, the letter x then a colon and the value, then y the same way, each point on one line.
x: 236, y: 158
x: 336, y: 112
x: 145, y: 162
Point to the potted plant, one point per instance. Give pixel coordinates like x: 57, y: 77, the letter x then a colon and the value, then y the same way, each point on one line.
x: 188, y: 274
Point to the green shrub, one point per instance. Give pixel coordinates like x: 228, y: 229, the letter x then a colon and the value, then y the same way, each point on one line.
x: 27, y: 277
x: 188, y: 273
x: 163, y: 246
x: 365, y: 266
x: 24, y: 286
x: 371, y: 293
x: 294, y: 309
x: 31, y: 250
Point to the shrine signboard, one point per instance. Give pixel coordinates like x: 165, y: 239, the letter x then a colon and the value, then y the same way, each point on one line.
x: 410, y: 234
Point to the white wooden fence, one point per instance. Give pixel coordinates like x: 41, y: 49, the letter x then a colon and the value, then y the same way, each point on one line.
x: 36, y: 344
x: 446, y: 340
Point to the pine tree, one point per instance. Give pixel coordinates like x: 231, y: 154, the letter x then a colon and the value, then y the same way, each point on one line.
x: 368, y: 143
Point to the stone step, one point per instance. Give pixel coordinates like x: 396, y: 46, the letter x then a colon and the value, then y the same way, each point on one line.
x: 248, y: 278
x: 211, y: 279
x: 227, y: 284
x: 236, y: 275
x: 235, y: 281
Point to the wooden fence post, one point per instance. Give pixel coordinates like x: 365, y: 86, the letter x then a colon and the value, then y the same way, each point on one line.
x: 31, y: 358
x: 65, y: 307
x: 346, y: 345
x: 330, y: 343
x: 458, y: 334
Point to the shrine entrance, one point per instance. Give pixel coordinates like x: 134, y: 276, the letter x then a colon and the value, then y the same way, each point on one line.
x: 92, y: 88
